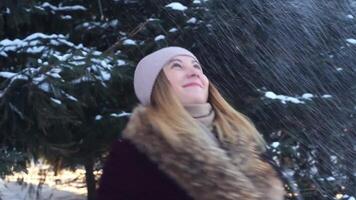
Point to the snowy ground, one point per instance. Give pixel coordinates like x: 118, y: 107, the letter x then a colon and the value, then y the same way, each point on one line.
x: 64, y: 185
x: 14, y: 191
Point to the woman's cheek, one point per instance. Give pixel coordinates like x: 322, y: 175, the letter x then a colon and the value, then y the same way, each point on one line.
x: 206, y: 81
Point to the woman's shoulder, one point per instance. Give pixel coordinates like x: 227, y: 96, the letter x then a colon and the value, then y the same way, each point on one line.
x: 125, y: 156
x: 138, y: 122
x: 123, y: 147
x: 125, y: 153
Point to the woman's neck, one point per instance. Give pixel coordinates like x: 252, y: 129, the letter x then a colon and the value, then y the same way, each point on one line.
x: 204, y: 113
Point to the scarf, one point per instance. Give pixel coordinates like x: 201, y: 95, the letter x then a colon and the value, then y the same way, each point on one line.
x: 204, y: 168
x: 203, y: 113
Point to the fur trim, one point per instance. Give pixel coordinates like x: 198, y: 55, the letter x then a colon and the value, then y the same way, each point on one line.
x: 205, y: 169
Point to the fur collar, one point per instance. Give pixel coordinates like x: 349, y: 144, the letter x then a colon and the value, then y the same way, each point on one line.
x: 207, y: 170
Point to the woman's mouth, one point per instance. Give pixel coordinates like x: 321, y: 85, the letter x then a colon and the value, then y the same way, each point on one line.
x: 192, y: 84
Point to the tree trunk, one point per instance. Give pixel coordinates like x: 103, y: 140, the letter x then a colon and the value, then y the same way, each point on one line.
x: 90, y: 179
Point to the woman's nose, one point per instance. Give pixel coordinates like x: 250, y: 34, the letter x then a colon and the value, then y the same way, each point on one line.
x: 193, y: 72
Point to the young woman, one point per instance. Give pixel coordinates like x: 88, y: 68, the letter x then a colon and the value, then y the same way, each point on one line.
x: 185, y: 141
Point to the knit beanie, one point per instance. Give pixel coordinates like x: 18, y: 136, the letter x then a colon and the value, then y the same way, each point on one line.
x: 149, y: 67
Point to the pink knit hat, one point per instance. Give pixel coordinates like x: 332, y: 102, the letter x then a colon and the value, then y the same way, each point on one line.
x: 149, y: 67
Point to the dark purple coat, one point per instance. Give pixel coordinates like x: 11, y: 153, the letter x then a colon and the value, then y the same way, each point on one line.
x: 129, y: 175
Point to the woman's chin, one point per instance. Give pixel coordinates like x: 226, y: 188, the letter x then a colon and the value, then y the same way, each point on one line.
x: 199, y: 100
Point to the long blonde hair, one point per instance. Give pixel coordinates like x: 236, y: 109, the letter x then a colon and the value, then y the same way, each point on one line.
x: 169, y: 115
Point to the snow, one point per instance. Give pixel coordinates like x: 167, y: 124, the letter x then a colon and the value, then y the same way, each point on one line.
x: 54, y: 73
x: 7, y: 42
x: 351, y: 41
x: 7, y: 11
x: 350, y: 16
x: 199, y: 1
x: 333, y: 159
x: 104, y: 64
x: 326, y: 96
x: 7, y: 74
x: 61, y: 8
x: 15, y: 191
x: 70, y: 97
x: 271, y: 95
x: 122, y: 114
x: 159, y: 37
x: 173, y: 30
x: 176, y: 6
x: 56, y: 100
x: 330, y: 178
x: 82, y: 79
x: 16, y: 110
x: 43, y: 36
x: 39, y: 79
x: 90, y: 25
x: 8, y: 45
x: 307, y: 96
x: 103, y: 68
x: 66, y: 185
x: 35, y: 43
x: 66, y: 17
x: 77, y: 63
x: 289, y: 172
x: 93, y: 24
x: 283, y: 98
x: 292, y: 99
x: 120, y: 62
x: 44, y: 86
x: 275, y: 144
x: 129, y: 42
x: 62, y: 57
x: 54, y: 43
x: 297, y: 100
x: 13, y: 76
x: 105, y: 75
x: 85, y: 24
x: 313, y: 170
x: 35, y: 50
x: 64, y: 41
x: 152, y: 19
x: 192, y: 20
x: 114, y: 23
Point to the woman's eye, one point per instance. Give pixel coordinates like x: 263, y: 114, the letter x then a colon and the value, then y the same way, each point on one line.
x: 176, y: 65
x: 197, y: 66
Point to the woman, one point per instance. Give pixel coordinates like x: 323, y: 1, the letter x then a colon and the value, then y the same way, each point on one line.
x: 185, y: 141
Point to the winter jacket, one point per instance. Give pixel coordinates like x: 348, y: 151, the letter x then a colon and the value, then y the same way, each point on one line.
x: 143, y: 165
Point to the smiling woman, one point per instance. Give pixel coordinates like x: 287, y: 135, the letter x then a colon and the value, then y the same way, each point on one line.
x: 185, y: 141
x: 187, y: 79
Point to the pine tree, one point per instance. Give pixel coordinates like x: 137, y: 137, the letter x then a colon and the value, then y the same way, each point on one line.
x: 67, y: 83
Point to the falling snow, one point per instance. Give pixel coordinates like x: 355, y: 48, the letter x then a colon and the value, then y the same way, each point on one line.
x: 176, y: 6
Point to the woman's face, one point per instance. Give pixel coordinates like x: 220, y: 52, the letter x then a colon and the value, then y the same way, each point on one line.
x: 187, y: 79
